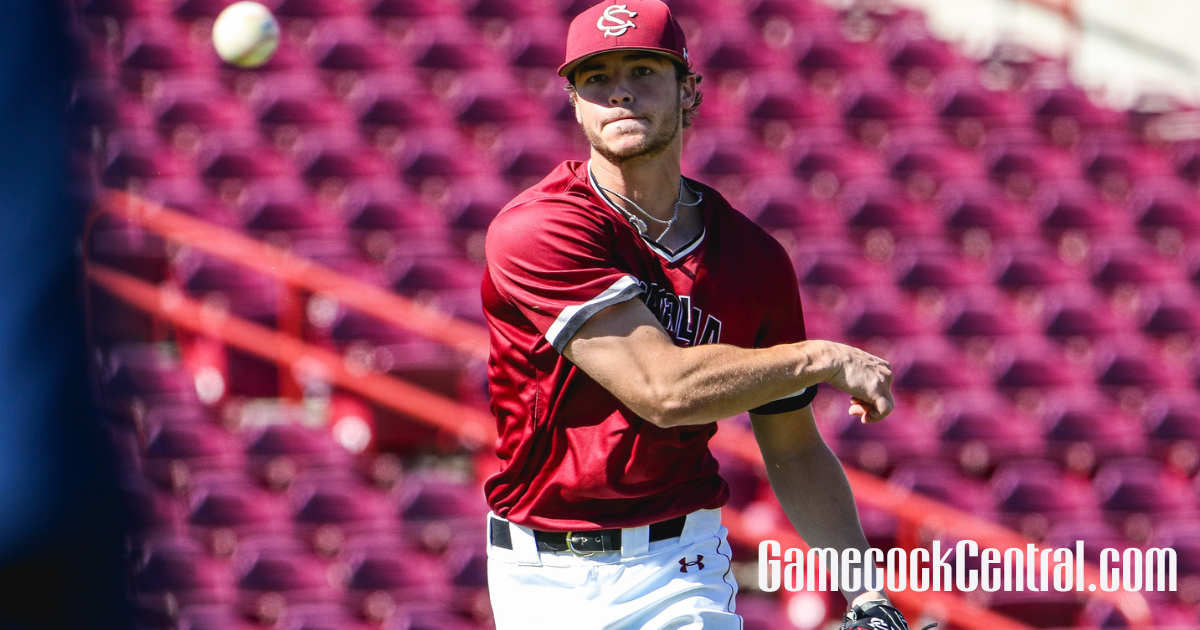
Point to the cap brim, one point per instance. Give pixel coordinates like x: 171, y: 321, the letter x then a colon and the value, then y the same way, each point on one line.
x: 569, y: 67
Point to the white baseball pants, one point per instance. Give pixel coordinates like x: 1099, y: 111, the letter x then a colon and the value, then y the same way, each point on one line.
x: 680, y: 583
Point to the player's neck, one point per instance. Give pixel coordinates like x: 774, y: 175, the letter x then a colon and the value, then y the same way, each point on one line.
x: 652, y: 183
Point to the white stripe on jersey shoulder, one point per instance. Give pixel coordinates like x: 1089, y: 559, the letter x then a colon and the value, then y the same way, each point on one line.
x: 572, y: 318
x: 661, y: 251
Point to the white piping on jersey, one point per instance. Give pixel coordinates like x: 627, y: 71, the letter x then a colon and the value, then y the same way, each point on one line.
x: 662, y: 252
x: 799, y: 393
x: 572, y: 318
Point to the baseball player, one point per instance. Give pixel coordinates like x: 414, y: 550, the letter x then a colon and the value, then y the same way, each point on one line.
x: 629, y: 309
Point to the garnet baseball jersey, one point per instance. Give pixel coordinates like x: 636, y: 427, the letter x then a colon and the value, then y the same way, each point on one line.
x: 573, y: 456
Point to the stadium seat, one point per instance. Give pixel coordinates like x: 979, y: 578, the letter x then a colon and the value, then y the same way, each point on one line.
x: 239, y: 157
x: 1023, y: 263
x: 1052, y: 608
x: 1129, y: 261
x: 717, y: 155
x: 982, y: 430
x: 1163, y: 207
x: 278, y: 452
x: 146, y: 372
x: 136, y: 157
x: 917, y: 57
x: 836, y: 265
x: 1172, y: 423
x: 969, y: 111
x: 791, y: 12
x: 872, y: 105
x: 1034, y: 364
x: 274, y: 572
x: 733, y: 45
x: 1065, y: 205
x: 875, y: 313
x: 1038, y: 492
x: 934, y: 264
x: 1083, y: 428
x: 103, y: 105
x: 827, y: 159
x: 353, y: 45
x: 880, y: 447
x: 932, y: 364
x: 983, y: 312
x: 286, y: 212
x: 160, y: 47
x: 226, y: 503
x: 1129, y: 487
x: 783, y: 205
x: 923, y: 159
x: 328, y: 511
x: 524, y: 157
x: 1062, y: 113
x: 1115, y: 161
x: 1130, y: 363
x: 176, y: 451
x: 338, y: 157
x: 491, y: 97
x: 966, y: 205
x: 825, y: 55
x: 943, y: 482
x: 437, y: 511
x: 169, y: 572
x: 536, y: 44
x: 318, y: 9
x: 876, y: 204
x: 1081, y: 311
x: 190, y: 105
x: 446, y: 43
x: 281, y: 103
x: 437, y: 153
x: 1018, y: 159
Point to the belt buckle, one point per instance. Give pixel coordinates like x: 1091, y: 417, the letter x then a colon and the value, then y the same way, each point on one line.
x: 575, y: 551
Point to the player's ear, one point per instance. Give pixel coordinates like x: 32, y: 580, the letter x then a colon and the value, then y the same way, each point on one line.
x: 687, y: 91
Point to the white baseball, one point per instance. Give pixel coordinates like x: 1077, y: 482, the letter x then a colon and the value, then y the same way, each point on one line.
x: 246, y: 34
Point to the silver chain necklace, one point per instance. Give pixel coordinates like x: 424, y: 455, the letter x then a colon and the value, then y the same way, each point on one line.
x: 640, y: 225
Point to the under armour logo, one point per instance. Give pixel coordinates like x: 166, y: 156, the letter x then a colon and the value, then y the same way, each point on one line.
x: 614, y: 26
x: 684, y: 564
x: 879, y: 624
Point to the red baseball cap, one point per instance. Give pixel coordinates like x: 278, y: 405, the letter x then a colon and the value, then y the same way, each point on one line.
x: 624, y: 25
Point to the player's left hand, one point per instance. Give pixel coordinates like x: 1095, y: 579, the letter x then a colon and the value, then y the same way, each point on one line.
x: 876, y: 614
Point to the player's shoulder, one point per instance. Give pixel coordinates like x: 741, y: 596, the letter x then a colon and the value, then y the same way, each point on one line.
x: 558, y: 205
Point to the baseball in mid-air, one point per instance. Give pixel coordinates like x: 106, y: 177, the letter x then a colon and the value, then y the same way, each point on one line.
x: 246, y: 34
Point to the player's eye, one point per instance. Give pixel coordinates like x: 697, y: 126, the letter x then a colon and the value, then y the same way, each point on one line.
x: 643, y: 71
x: 594, y: 78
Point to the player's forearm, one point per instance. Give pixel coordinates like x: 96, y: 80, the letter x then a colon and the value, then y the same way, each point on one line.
x: 813, y: 490
x: 705, y: 383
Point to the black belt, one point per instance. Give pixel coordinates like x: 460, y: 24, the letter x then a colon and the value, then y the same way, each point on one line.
x: 585, y: 542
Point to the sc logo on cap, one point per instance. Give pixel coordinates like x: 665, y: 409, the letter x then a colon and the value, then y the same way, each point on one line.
x: 614, y: 26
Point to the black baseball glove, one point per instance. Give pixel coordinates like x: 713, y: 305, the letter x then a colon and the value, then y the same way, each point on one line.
x: 876, y: 614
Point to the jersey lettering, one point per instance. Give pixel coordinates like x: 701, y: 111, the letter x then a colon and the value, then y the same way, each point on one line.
x: 677, y: 315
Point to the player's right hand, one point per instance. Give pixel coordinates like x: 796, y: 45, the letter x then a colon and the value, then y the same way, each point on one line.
x: 866, y: 377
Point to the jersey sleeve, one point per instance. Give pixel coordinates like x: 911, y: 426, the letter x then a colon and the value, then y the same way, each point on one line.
x: 553, y: 261
x: 783, y: 321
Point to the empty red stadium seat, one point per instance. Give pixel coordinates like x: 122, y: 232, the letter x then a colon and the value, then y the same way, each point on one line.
x: 1039, y: 489
x: 179, y: 568
x: 136, y: 157
x: 1129, y: 487
x: 226, y: 503
x: 923, y: 159
x: 981, y: 311
x: 1083, y: 428
x: 828, y: 159
x: 1031, y: 264
x: 886, y: 314
x: 871, y: 204
x: 965, y: 205
x: 941, y: 481
x: 934, y: 264
x: 881, y: 446
x: 1081, y: 311
x: 1165, y: 207
x: 782, y: 204
x: 981, y: 430
x: 1129, y: 261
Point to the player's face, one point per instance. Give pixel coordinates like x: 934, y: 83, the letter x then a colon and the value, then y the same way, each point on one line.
x: 630, y: 104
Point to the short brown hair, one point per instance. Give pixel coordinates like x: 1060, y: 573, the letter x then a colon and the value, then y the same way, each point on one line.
x: 682, y: 72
